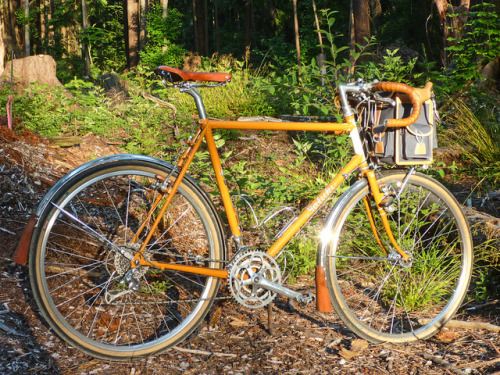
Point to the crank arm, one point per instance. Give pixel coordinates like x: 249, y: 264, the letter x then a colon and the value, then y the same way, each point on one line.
x: 262, y: 282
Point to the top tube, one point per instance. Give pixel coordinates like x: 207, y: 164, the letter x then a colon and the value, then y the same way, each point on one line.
x: 183, y: 80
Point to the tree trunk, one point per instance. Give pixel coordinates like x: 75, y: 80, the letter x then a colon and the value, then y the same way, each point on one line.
x: 85, y: 47
x: 272, y: 16
x: 2, y: 48
x: 205, y: 18
x: 195, y: 27
x: 248, y: 24
x: 216, y: 21
x: 200, y: 26
x: 296, y: 27
x: 164, y: 4
x: 360, y: 28
x: 27, y: 44
x: 316, y: 20
x: 450, y: 26
x: 2, y: 37
x: 132, y: 32
x: 10, y: 31
x: 143, y: 14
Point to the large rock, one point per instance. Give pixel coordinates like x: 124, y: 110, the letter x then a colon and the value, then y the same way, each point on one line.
x: 40, y: 69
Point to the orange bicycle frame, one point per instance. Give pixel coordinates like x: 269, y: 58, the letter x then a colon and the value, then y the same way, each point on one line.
x: 206, y: 132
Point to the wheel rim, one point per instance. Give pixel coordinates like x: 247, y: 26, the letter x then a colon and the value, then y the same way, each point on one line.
x: 83, y: 293
x: 383, y: 297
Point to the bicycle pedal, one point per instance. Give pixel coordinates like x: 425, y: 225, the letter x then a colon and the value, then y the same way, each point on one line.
x: 306, y: 299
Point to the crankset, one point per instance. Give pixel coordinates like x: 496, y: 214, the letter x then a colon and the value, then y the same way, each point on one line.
x: 255, y: 279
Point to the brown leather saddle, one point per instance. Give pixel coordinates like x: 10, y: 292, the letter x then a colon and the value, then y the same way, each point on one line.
x: 176, y: 75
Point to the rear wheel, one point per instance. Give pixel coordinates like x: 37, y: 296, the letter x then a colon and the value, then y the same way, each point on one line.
x: 377, y: 294
x: 80, y: 266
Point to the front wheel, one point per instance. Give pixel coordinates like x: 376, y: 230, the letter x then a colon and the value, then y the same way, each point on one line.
x: 80, y: 267
x: 379, y: 295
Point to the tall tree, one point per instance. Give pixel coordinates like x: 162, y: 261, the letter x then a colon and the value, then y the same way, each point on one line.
x: 27, y: 44
x: 296, y: 29
x: 450, y: 26
x: 85, y: 47
x: 200, y: 26
x: 132, y: 32
x: 216, y: 23
x: 143, y: 15
x: 359, y: 28
x: 164, y: 4
x: 10, y: 30
x: 2, y: 46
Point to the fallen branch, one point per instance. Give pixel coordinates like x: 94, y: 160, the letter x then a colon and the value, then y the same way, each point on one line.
x: 3, y: 327
x: 487, y: 304
x: 479, y: 364
x: 445, y: 364
x: 466, y: 325
x: 7, y: 231
x: 147, y: 96
x: 204, y: 352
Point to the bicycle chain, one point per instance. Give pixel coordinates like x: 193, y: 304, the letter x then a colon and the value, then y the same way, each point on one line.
x: 185, y: 257
x: 170, y: 302
x: 192, y: 258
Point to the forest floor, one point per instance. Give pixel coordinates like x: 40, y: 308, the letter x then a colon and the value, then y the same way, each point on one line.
x: 236, y: 340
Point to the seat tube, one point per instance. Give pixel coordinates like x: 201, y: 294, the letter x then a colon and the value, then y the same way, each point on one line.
x: 232, y: 218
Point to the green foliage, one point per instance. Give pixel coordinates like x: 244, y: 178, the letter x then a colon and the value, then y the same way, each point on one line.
x: 163, y: 38
x: 43, y: 109
x: 486, y: 277
x: 82, y: 108
x: 479, y: 43
x: 304, y: 250
x: 392, y: 68
x: 241, y: 97
x: 283, y: 54
x: 105, y: 35
x: 477, y: 142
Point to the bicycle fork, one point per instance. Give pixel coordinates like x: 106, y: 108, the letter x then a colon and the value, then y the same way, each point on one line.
x: 383, y: 202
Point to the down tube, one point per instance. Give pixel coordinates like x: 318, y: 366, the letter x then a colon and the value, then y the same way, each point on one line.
x: 313, y: 207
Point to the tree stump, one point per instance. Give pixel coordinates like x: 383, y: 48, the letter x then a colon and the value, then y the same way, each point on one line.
x: 40, y: 69
x: 112, y: 85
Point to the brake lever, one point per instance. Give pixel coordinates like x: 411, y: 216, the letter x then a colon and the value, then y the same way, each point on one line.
x: 380, y: 98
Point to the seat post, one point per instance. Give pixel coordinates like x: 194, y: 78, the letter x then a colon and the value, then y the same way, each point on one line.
x: 193, y: 91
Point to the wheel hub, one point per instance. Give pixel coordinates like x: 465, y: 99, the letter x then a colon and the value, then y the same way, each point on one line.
x: 123, y: 264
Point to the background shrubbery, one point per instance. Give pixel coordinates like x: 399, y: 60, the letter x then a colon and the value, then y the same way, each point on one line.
x: 268, y: 82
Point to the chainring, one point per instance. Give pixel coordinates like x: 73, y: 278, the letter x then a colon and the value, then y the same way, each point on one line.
x: 242, y: 267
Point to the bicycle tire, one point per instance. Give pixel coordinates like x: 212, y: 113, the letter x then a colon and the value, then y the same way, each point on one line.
x: 75, y: 270
x: 379, y: 296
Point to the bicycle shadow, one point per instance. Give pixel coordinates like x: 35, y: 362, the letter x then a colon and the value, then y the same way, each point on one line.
x: 288, y: 307
x: 20, y: 350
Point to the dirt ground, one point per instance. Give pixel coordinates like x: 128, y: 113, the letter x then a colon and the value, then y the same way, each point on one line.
x: 235, y: 340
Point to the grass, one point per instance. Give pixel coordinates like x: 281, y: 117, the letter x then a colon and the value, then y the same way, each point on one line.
x: 478, y: 142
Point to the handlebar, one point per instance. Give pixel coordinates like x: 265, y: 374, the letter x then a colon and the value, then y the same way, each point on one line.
x: 415, y: 96
x: 412, y: 95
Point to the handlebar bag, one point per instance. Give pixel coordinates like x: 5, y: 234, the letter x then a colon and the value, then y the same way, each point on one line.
x: 412, y: 144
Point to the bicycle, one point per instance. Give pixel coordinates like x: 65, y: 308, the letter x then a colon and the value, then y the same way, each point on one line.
x: 127, y: 252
